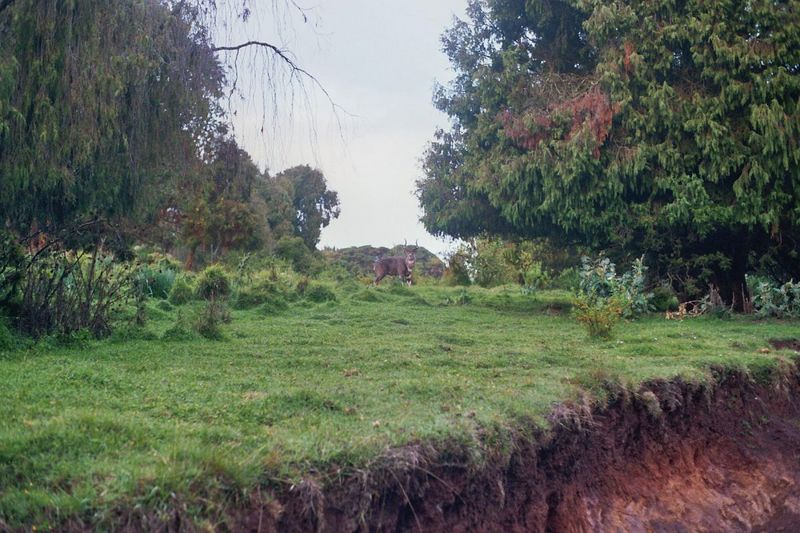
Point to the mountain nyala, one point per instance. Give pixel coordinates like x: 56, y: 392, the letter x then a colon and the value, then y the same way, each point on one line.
x: 401, y: 266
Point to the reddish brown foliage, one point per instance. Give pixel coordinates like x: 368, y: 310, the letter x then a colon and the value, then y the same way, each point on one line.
x: 592, y: 110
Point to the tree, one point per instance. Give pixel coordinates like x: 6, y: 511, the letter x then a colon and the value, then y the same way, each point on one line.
x: 669, y: 128
x: 314, y: 205
x: 101, y: 103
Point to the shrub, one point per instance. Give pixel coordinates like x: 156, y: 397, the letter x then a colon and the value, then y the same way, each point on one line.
x: 274, y: 306
x: 213, y: 284
x: 664, y: 299
x: 179, y: 331
x: 63, y: 292
x: 295, y: 250
x: 599, y: 315
x: 770, y: 300
x: 568, y: 279
x: 318, y: 293
x: 154, y: 282
x: 599, y: 281
x: 182, y: 291
x: 208, y: 323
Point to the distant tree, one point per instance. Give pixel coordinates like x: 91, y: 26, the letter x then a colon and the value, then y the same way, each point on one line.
x: 314, y: 205
x: 666, y: 128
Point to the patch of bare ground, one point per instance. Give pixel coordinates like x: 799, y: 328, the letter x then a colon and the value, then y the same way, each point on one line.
x: 671, y: 456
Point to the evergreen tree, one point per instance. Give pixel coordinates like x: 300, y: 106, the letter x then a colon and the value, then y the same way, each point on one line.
x: 670, y: 128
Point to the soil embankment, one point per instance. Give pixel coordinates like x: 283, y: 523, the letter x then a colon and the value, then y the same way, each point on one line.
x: 673, y: 456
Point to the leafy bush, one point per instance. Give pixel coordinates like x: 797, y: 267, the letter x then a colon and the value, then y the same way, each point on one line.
x: 209, y: 321
x: 154, y: 282
x: 295, y: 250
x: 213, y: 283
x: 318, y: 293
x: 770, y: 300
x: 664, y: 299
x: 599, y: 281
x: 182, y: 290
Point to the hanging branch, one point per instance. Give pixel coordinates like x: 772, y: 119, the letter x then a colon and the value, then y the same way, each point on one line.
x: 284, y: 56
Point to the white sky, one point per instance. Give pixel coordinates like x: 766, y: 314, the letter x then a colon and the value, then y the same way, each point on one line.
x: 378, y: 60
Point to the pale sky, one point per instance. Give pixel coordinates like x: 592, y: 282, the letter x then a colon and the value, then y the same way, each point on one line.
x: 378, y: 60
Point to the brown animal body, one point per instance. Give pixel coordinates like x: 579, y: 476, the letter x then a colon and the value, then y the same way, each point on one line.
x: 401, y: 266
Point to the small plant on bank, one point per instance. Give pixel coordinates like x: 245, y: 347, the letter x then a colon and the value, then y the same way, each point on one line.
x: 598, y: 315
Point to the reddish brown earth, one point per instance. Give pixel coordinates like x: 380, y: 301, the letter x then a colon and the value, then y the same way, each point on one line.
x: 673, y: 456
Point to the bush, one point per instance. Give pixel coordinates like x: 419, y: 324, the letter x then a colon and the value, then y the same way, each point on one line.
x: 770, y: 300
x: 208, y: 323
x: 665, y: 299
x: 63, y: 292
x: 8, y: 339
x: 274, y: 306
x: 599, y: 281
x: 599, y: 315
x: 213, y: 283
x: 154, y: 282
x: 318, y: 293
x: 568, y: 279
x: 179, y: 331
x: 295, y: 250
x: 182, y: 291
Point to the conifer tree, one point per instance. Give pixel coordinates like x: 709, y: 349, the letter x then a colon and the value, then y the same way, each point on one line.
x: 659, y: 127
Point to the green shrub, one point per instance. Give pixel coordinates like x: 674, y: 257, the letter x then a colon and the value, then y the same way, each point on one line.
x: 182, y: 291
x: 209, y: 321
x: 274, y: 306
x: 154, y: 282
x: 665, y: 299
x: 295, y: 250
x: 568, y: 279
x: 179, y: 331
x: 771, y: 300
x: 317, y: 292
x: 213, y: 283
x: 599, y: 281
x: 8, y: 339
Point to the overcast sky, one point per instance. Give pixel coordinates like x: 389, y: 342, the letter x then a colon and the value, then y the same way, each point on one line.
x: 378, y: 60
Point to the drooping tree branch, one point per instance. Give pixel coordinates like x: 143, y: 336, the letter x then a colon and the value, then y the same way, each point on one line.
x: 283, y: 55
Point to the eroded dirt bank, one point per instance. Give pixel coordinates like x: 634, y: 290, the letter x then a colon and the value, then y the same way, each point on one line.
x: 673, y: 456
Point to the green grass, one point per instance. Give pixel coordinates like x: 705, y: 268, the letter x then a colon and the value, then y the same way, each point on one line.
x: 128, y: 421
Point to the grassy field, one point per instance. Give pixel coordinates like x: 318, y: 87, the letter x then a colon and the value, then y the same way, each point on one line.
x: 318, y: 387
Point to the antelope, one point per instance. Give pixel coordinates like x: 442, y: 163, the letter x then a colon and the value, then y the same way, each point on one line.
x: 401, y: 266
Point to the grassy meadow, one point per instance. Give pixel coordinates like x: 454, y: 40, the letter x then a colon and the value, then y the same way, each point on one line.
x: 321, y: 388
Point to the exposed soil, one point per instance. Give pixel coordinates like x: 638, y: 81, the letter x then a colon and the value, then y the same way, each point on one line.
x: 786, y: 344
x: 673, y: 456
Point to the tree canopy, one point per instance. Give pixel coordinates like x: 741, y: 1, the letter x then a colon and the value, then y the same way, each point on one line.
x: 100, y: 102
x: 666, y: 128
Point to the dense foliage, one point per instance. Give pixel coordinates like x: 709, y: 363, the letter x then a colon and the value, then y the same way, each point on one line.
x: 663, y: 128
x: 101, y: 102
